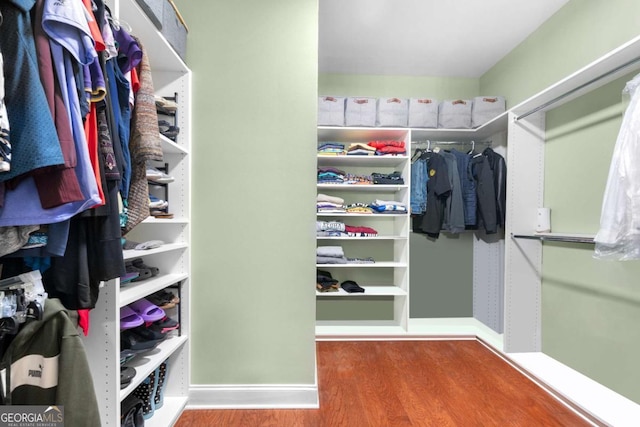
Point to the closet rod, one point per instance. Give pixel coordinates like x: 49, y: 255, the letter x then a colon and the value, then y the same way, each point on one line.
x: 451, y: 142
x: 577, y: 88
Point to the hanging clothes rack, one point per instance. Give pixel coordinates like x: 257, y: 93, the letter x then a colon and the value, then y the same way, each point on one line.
x: 578, y: 88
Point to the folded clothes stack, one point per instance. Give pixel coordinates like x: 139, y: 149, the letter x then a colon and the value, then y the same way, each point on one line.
x: 330, y: 175
x: 329, y: 204
x: 394, y: 178
x: 360, y: 149
x: 360, y: 231
x: 325, y: 282
x: 331, y: 149
x: 354, y: 179
x: 330, y: 228
x: 384, y: 206
x: 389, y: 148
x: 330, y: 255
x: 359, y: 208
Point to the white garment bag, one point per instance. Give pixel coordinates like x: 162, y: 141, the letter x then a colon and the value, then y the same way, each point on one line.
x: 619, y: 235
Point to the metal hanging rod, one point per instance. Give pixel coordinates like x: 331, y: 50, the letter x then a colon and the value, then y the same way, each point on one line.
x: 426, y: 141
x: 577, y: 88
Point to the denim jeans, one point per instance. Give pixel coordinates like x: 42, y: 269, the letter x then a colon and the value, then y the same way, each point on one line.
x: 419, y: 178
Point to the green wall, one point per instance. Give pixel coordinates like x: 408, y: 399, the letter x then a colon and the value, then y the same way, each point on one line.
x: 590, y: 308
x: 435, y: 291
x: 253, y: 231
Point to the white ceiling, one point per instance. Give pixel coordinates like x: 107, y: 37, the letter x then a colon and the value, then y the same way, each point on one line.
x: 461, y: 38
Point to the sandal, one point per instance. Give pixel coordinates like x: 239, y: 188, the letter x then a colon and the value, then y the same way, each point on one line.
x: 143, y: 273
x: 149, y: 312
x: 168, y: 130
x: 165, y: 105
x: 129, y: 319
x: 139, y: 263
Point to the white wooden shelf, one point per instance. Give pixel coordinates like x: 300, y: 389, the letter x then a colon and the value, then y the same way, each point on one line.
x: 161, y: 55
x: 133, y: 291
x: 364, y: 238
x: 145, y: 363
x: 381, y: 264
x: 370, y: 188
x: 359, y: 134
x: 371, y: 215
x: 370, y: 291
x: 368, y: 161
x: 153, y: 220
x: 167, y: 247
x: 171, y: 147
x: 369, y: 329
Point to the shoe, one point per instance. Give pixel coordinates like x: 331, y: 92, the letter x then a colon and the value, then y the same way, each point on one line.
x: 155, y: 203
x: 166, y: 325
x: 127, y: 278
x: 126, y: 355
x: 164, y: 299
x: 148, y: 311
x: 126, y: 375
x: 168, y: 130
x: 132, y: 341
x: 129, y: 319
x: 161, y: 214
x: 148, y: 334
x: 155, y: 175
x: 139, y: 263
x: 165, y: 105
x: 143, y: 273
x: 145, y: 393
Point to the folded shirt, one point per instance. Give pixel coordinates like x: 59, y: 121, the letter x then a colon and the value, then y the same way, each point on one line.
x: 382, y: 144
x: 326, y: 198
x: 330, y: 260
x: 330, y: 251
x: 330, y: 225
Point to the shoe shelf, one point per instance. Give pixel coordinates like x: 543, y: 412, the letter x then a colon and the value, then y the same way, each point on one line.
x: 167, y: 247
x: 370, y: 291
x: 171, y: 147
x: 153, y: 220
x: 145, y: 363
x: 135, y: 290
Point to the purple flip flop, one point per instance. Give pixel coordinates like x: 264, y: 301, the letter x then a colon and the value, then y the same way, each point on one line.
x: 129, y: 318
x: 148, y: 311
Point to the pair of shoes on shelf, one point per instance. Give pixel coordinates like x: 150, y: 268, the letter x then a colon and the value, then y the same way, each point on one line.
x: 127, y: 374
x: 156, y: 203
x: 151, y: 391
x: 149, y: 244
x: 165, y: 106
x: 138, y: 313
x: 128, y: 278
x: 157, y: 176
x: 164, y: 299
x: 168, y: 130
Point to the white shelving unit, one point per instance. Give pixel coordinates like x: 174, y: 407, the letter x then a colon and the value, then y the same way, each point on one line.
x: 388, y: 277
x: 171, y: 78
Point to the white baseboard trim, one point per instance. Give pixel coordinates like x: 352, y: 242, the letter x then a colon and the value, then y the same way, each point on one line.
x: 253, y: 396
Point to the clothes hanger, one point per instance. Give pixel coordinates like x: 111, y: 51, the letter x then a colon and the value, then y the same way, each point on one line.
x: 473, y: 147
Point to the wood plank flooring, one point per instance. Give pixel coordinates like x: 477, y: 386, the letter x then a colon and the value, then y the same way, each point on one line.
x: 408, y: 383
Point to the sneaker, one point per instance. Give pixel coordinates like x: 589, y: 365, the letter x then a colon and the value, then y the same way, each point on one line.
x: 158, y: 176
x: 155, y: 203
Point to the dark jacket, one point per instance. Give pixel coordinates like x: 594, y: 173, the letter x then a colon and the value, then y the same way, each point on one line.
x: 499, y: 169
x: 49, y: 367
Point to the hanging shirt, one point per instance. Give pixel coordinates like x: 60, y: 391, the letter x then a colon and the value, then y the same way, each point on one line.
x: 619, y: 234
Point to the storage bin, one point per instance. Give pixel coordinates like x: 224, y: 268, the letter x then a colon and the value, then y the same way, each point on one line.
x: 154, y: 9
x: 423, y: 113
x: 486, y: 108
x: 360, y: 111
x: 174, y: 30
x: 455, y: 114
x: 392, y: 112
x: 331, y: 111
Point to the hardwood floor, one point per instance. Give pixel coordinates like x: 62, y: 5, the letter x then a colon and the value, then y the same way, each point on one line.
x: 408, y: 383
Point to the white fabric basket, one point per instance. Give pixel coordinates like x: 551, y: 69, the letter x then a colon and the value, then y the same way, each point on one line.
x: 331, y: 111
x: 423, y: 113
x: 455, y: 114
x: 360, y: 111
x: 486, y: 108
x: 392, y: 112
